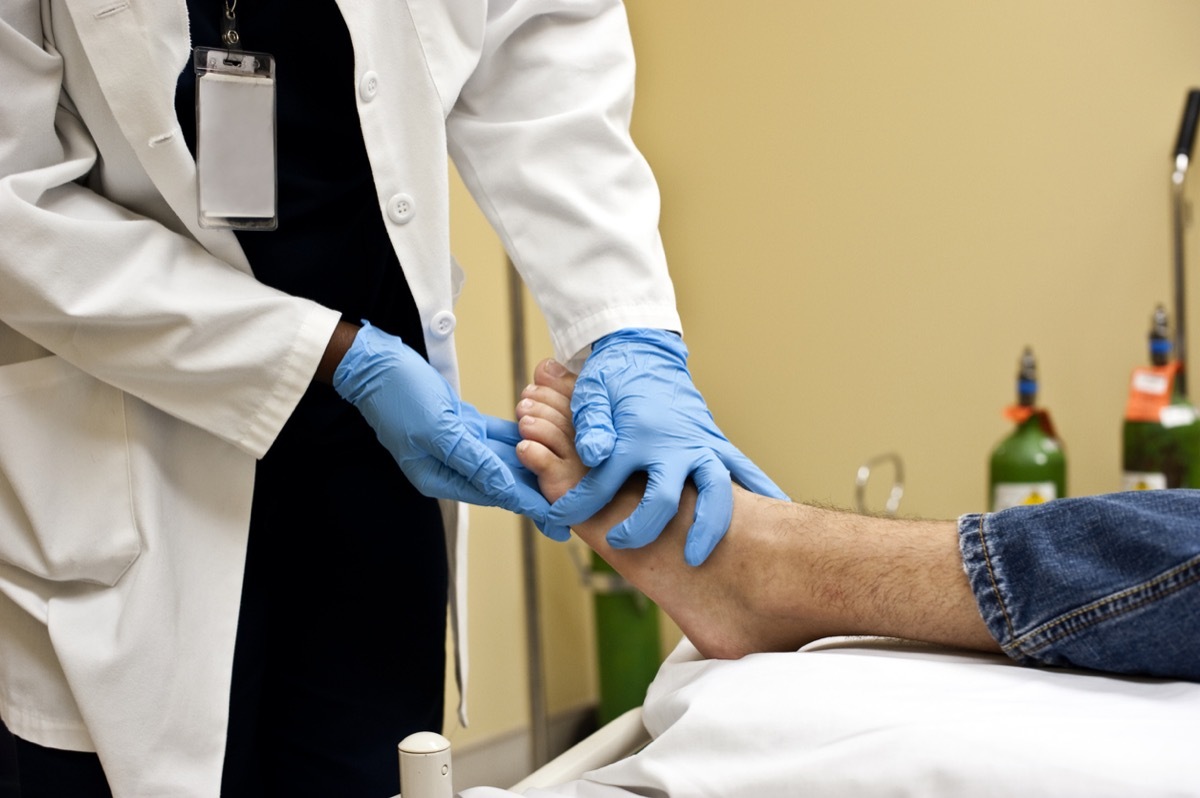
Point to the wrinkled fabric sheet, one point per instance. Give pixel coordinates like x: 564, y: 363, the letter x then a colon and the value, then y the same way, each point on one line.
x: 873, y: 716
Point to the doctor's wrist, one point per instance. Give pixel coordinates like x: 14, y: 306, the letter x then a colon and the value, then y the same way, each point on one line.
x: 339, y: 343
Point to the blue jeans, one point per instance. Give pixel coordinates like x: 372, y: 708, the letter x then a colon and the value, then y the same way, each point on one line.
x: 1110, y: 582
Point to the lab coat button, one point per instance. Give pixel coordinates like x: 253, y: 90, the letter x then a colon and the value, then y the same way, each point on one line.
x: 368, y: 86
x: 442, y: 324
x: 401, y: 208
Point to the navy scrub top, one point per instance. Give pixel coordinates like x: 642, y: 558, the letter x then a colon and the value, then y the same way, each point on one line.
x: 328, y: 498
x: 331, y: 244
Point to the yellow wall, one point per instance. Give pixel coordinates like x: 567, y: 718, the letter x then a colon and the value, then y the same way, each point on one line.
x: 870, y: 208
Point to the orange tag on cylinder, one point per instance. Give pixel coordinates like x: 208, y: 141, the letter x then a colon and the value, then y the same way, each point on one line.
x: 1150, y: 390
x: 1018, y: 414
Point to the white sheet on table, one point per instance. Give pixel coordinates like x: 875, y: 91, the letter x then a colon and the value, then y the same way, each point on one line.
x: 855, y: 717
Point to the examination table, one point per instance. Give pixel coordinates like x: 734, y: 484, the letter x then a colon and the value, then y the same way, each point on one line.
x: 877, y: 716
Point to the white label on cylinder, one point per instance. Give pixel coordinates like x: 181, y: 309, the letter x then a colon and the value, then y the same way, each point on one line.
x: 1016, y: 494
x: 1143, y: 480
x: 1150, y: 383
x: 1177, y: 416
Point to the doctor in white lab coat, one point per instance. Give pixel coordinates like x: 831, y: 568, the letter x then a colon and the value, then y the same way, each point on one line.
x: 144, y: 369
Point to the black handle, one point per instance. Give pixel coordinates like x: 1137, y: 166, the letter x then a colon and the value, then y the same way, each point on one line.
x: 1187, y: 128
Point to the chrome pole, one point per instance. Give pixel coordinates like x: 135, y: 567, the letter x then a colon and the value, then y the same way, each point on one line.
x: 1183, y: 154
x: 538, y: 716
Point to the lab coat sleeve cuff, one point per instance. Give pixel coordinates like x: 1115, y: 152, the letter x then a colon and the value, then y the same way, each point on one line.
x: 294, y: 374
x: 574, y: 344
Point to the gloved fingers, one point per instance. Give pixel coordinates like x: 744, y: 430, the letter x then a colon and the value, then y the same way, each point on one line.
x: 747, y: 474
x: 658, y: 506
x: 437, y: 480
x: 507, y: 453
x: 714, y: 510
x: 555, y: 532
x: 501, y: 429
x: 526, y: 497
x: 592, y: 414
x: 590, y: 496
x: 502, y: 438
x: 488, y: 427
x: 475, y: 421
x: 527, y: 500
x: 469, y: 458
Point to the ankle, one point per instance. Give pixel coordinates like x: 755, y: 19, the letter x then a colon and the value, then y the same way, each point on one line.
x: 803, y: 587
x: 762, y: 551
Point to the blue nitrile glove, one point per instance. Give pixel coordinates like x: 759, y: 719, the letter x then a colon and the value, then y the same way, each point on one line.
x: 635, y: 409
x: 437, y: 439
x: 502, y: 437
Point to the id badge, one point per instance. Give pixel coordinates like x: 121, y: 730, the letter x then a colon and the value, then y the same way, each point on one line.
x: 235, y: 139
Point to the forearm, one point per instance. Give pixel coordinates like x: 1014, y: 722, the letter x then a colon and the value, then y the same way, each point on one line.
x: 553, y: 91
x: 815, y: 571
x: 883, y: 576
x: 166, y: 322
x: 339, y: 344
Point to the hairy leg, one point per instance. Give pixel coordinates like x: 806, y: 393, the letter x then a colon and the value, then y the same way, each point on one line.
x: 784, y: 575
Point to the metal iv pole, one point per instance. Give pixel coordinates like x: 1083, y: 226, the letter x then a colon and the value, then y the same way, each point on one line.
x: 1183, y: 155
x: 538, y: 715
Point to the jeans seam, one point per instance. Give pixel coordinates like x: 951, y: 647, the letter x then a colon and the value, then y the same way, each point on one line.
x: 1101, y: 610
x: 987, y: 561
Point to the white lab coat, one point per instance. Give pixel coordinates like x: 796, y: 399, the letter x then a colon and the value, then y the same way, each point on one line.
x: 143, y: 369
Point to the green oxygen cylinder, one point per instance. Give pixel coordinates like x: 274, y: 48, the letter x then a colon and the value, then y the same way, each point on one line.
x: 1160, y: 439
x: 1029, y: 466
x: 627, y: 641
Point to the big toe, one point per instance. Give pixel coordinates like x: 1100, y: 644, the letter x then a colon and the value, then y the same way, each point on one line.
x: 552, y: 374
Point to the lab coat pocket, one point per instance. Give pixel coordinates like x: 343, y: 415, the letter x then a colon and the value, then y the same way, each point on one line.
x: 66, y: 511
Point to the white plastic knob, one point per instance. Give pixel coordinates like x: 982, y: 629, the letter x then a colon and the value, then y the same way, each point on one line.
x: 425, y: 766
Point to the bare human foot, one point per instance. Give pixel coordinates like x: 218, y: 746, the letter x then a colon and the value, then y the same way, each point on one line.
x: 712, y: 604
x: 785, y: 574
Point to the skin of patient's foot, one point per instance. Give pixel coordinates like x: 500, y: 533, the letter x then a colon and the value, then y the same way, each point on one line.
x: 717, y: 605
x: 784, y: 574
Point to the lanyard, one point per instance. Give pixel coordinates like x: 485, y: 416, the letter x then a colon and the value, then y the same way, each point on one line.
x: 235, y: 133
x: 229, y: 32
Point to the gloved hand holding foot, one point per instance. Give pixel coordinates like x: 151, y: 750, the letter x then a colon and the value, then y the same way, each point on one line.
x: 635, y: 408
x: 502, y: 437
x: 440, y: 442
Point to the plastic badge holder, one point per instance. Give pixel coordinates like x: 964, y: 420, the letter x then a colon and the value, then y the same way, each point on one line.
x: 235, y: 139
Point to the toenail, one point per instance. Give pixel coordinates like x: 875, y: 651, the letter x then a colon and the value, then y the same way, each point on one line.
x: 555, y: 369
x: 525, y: 404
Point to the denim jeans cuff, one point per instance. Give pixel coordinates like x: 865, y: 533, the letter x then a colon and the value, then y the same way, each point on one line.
x: 1106, y: 582
x: 987, y: 582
